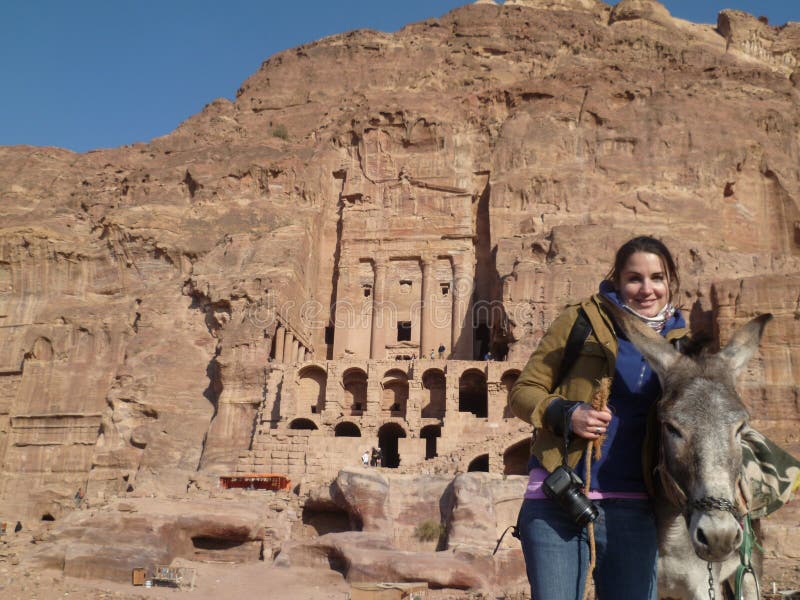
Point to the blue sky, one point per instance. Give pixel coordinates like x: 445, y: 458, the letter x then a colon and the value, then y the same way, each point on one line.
x: 86, y: 74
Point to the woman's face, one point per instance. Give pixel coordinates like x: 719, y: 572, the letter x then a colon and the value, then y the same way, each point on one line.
x: 644, y: 284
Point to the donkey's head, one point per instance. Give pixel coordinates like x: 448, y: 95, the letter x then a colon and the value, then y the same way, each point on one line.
x: 701, y: 418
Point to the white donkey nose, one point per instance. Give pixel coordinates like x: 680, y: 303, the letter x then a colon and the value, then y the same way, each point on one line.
x: 715, y: 535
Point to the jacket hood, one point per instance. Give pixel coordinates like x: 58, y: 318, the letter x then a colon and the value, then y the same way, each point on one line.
x: 607, y: 290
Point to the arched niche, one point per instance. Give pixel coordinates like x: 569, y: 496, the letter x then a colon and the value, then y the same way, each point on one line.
x: 395, y: 394
x: 472, y: 393
x: 479, y: 463
x: 42, y: 349
x: 433, y: 402
x: 354, y: 381
x: 395, y: 374
x: 346, y: 429
x: 311, y: 394
x: 515, y: 458
x: 429, y: 433
x: 388, y: 435
x: 302, y: 424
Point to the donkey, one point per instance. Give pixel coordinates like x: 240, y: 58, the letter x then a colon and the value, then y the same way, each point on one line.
x: 700, y: 495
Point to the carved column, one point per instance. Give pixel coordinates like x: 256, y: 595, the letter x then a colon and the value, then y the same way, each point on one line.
x: 287, y: 347
x: 372, y: 410
x: 280, y: 335
x: 294, y: 350
x: 461, y: 336
x: 377, y: 345
x: 451, y: 393
x: 496, y: 462
x: 414, y: 405
x: 334, y: 395
x: 426, y: 324
x: 344, y: 310
x: 495, y: 396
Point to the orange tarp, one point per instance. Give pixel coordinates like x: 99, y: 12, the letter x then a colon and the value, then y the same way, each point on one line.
x: 257, y: 481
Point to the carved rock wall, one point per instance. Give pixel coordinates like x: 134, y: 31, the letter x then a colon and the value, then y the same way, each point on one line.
x: 143, y: 288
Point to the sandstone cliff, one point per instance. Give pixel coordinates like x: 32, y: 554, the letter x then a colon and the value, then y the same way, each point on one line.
x: 141, y: 287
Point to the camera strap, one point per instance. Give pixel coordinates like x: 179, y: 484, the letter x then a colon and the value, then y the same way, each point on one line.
x: 514, y: 532
x: 578, y: 335
x: 564, y: 462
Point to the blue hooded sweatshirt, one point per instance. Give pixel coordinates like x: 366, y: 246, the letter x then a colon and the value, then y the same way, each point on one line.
x: 634, y: 390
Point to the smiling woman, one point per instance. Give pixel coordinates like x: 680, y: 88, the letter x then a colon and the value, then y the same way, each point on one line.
x: 644, y: 286
x: 645, y: 275
x: 642, y: 282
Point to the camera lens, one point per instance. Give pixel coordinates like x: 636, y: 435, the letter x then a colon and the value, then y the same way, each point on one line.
x: 579, y: 507
x: 563, y: 486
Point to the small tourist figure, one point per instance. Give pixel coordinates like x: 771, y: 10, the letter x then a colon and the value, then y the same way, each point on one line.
x: 441, y: 350
x: 374, y: 458
x: 433, y: 354
x: 365, y: 458
x: 379, y: 460
x: 488, y: 356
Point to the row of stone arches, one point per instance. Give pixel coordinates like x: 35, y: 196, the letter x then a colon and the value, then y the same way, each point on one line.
x: 515, y: 458
x: 473, y: 394
x: 388, y: 434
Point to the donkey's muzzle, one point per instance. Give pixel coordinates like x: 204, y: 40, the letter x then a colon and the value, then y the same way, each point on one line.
x: 715, y: 534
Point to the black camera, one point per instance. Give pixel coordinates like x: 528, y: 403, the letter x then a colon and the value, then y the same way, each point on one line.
x: 564, y: 486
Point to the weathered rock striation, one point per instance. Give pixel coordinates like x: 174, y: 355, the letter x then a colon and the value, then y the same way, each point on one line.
x: 263, y: 288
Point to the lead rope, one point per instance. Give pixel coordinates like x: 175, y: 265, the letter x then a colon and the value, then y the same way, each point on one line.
x: 599, y: 402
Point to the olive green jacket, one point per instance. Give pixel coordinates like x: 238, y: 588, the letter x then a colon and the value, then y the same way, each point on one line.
x: 534, y: 390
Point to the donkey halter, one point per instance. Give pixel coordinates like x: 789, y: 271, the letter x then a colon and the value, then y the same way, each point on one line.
x: 678, y: 496
x: 707, y: 503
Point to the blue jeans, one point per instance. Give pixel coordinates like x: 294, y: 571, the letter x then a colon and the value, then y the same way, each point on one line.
x: 556, y: 551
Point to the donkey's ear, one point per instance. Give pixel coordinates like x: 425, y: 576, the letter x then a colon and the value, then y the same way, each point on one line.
x: 744, y: 343
x: 658, y: 351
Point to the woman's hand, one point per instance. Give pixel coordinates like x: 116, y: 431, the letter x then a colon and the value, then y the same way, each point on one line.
x: 589, y: 423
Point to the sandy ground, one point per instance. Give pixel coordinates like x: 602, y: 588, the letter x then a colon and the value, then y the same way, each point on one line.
x: 219, y: 581
x: 222, y: 581
x: 214, y: 581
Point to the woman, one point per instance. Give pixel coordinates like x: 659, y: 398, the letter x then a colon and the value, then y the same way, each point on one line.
x: 643, y: 281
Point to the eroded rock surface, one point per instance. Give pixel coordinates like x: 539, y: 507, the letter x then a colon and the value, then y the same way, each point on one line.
x: 473, y: 510
x: 513, y: 147
x: 108, y: 543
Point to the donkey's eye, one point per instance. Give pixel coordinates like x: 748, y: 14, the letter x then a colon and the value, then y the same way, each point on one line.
x: 672, y: 430
x: 740, y: 429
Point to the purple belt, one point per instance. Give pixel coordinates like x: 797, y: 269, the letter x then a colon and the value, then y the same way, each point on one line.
x: 537, y: 476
